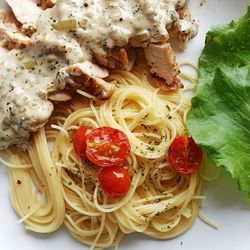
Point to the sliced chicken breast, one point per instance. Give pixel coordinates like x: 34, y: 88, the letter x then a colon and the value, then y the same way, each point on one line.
x: 117, y: 58
x: 164, y: 71
x: 26, y: 12
x: 86, y: 76
x: 10, y: 35
x: 185, y: 28
x: 90, y: 77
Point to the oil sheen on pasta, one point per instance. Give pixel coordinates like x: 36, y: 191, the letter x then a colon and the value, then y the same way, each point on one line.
x: 27, y: 76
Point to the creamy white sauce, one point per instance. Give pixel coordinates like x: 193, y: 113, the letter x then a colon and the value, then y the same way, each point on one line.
x: 99, y: 25
x: 105, y: 24
x: 23, y: 94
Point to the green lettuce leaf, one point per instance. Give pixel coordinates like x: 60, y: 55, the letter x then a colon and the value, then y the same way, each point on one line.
x: 221, y: 28
x: 219, y: 119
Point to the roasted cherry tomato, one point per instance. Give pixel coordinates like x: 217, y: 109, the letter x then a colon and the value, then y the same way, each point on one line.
x: 79, y: 140
x: 115, y: 181
x: 107, y: 147
x: 184, y: 155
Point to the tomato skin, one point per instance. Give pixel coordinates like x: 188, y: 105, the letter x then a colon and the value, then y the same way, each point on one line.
x: 107, y: 147
x: 79, y: 140
x: 184, y: 155
x: 115, y: 181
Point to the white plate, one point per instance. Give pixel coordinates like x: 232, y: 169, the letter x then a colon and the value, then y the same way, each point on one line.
x: 224, y: 204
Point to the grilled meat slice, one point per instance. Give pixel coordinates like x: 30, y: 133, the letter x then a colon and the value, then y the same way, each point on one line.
x: 185, y: 28
x: 26, y: 12
x: 164, y: 71
x: 86, y: 76
x: 117, y: 58
x: 90, y: 77
x: 10, y: 35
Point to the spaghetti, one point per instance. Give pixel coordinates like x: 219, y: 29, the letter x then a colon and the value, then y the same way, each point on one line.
x: 52, y: 185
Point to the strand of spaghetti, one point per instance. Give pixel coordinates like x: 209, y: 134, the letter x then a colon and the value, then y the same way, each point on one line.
x: 29, y: 214
x: 188, y: 63
x: 14, y: 165
x: 99, y: 232
x: 76, y: 208
x: 92, y: 106
x: 88, y: 121
x: 24, y: 199
x: 207, y: 220
x: 83, y: 197
x: 164, y: 228
x: 184, y: 226
x: 60, y: 129
x: 83, y: 93
x: 52, y: 181
x: 190, y: 191
x: 199, y: 197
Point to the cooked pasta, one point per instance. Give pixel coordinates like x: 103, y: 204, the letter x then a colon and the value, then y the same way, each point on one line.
x: 52, y: 185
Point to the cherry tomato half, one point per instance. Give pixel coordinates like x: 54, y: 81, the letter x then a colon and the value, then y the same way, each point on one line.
x: 79, y: 140
x: 107, y: 147
x: 115, y: 181
x: 184, y: 155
